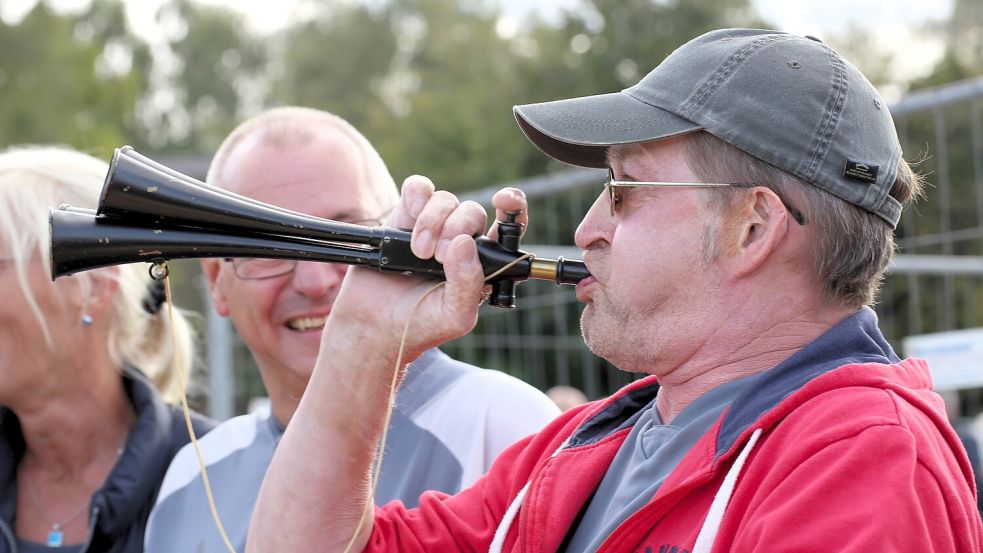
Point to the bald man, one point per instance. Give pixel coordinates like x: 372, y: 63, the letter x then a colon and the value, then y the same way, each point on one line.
x: 451, y: 419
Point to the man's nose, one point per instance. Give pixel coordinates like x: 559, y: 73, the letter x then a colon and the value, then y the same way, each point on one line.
x: 316, y: 279
x: 595, y: 226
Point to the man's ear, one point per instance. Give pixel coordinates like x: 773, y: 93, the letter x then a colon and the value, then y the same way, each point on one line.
x: 211, y: 269
x: 762, y: 223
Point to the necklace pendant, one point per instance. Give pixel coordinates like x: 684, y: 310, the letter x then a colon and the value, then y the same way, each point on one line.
x: 56, y: 538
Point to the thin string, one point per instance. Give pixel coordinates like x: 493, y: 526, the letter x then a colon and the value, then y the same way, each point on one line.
x: 385, y: 431
x: 36, y: 502
x: 392, y: 393
x: 187, y: 421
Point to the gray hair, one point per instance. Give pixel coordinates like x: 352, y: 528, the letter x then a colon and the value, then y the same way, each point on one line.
x: 36, y: 178
x: 853, y: 247
x: 287, y: 126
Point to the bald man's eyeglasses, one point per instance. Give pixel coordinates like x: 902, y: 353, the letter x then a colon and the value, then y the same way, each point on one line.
x: 249, y: 268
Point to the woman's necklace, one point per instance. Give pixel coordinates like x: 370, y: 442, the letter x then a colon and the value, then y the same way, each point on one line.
x: 56, y: 536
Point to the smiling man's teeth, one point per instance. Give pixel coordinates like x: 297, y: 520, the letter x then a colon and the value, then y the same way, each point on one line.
x: 306, y: 323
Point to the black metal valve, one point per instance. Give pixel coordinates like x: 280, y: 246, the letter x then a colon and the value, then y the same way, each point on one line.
x: 509, y: 233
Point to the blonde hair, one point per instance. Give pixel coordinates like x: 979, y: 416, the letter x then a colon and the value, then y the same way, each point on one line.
x: 36, y: 178
x: 288, y: 126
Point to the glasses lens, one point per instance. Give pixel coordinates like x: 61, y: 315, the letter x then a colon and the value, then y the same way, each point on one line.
x: 262, y: 268
x: 364, y: 222
x: 609, y: 189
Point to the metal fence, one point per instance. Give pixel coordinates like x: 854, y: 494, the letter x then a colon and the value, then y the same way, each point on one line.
x: 937, y: 282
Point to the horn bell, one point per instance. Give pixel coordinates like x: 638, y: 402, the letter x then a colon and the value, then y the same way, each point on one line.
x: 138, y: 188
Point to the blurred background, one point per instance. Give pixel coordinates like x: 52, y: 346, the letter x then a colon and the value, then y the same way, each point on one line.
x: 431, y: 83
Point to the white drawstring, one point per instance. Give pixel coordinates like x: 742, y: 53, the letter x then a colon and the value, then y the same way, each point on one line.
x: 708, y: 534
x: 498, y: 542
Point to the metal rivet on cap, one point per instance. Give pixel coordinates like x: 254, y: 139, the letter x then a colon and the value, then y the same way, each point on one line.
x: 794, y: 64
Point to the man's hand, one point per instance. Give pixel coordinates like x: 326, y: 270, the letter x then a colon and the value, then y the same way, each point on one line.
x: 377, y: 305
x: 315, y: 496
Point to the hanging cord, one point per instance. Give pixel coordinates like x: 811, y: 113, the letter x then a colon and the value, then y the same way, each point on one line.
x: 160, y: 272
x: 392, y: 392
x: 184, y: 405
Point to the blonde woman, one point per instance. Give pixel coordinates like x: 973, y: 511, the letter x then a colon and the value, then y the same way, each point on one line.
x: 86, y: 367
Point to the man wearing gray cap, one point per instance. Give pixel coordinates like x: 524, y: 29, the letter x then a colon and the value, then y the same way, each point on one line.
x: 755, y: 182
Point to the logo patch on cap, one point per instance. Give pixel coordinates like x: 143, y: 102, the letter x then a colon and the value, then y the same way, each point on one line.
x: 860, y: 171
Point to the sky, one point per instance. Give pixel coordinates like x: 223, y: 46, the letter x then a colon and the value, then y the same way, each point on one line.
x: 893, y: 23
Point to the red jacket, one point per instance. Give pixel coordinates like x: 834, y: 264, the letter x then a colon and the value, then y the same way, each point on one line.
x: 849, y: 457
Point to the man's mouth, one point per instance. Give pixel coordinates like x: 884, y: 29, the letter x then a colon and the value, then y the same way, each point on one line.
x: 306, y: 323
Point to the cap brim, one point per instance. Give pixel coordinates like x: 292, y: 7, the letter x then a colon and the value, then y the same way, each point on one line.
x: 579, y: 131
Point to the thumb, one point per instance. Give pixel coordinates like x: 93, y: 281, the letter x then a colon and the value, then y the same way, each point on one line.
x: 465, y: 281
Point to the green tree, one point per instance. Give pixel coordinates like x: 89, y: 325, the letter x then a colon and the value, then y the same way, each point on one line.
x: 336, y: 61
x: 212, y: 75
x: 454, y: 123
x: 432, y: 83
x: 608, y: 45
x: 71, y: 79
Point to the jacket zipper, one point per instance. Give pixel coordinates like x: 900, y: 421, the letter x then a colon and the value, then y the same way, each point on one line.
x: 8, y: 535
x: 93, y: 517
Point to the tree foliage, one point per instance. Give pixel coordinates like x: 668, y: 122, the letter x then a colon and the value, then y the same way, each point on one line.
x: 71, y: 79
x: 211, y: 71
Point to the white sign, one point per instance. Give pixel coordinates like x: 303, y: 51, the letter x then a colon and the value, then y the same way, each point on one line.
x: 955, y: 357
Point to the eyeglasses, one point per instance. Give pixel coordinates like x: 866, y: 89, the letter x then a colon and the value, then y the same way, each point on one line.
x: 614, y: 199
x: 249, y: 268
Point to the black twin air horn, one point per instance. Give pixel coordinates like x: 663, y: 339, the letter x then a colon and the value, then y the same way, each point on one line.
x: 149, y: 212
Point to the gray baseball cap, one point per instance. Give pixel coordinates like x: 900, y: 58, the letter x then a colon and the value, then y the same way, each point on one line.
x: 790, y: 101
